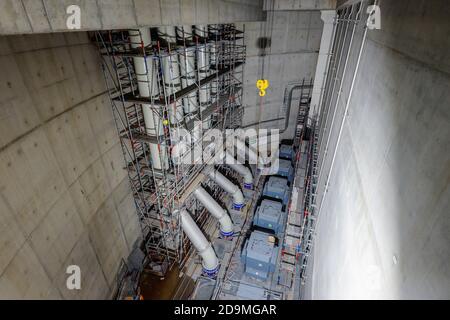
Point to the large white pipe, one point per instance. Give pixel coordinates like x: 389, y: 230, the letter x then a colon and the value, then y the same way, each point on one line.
x: 171, y: 75
x: 168, y: 33
x: 214, y: 63
x: 241, y: 169
x: 210, y: 262
x: 226, y: 226
x: 245, y: 172
x: 228, y: 186
x: 253, y: 157
x: 214, y: 59
x: 148, y: 87
x: 188, y: 74
x: 184, y: 33
x: 203, y: 65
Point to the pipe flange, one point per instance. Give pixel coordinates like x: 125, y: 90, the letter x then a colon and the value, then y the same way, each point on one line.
x: 211, y: 273
x: 238, y: 206
x: 248, y: 186
x: 226, y: 234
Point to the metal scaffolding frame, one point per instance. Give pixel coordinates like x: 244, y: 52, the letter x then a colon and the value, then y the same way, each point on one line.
x: 350, y: 27
x: 157, y: 188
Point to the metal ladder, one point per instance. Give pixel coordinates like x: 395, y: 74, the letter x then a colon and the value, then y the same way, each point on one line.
x: 303, y: 110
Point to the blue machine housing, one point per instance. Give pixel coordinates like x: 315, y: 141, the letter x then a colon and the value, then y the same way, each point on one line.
x: 286, y: 152
x: 286, y: 169
x: 277, y: 187
x: 259, y: 255
x: 269, y: 215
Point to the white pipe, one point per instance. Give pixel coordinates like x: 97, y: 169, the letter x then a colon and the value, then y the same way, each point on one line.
x: 148, y: 87
x: 253, y: 157
x: 171, y: 74
x: 167, y: 33
x: 201, y: 30
x: 228, y: 186
x: 202, y: 245
x: 184, y: 32
x: 188, y: 76
x: 226, y: 226
x: 241, y: 169
x: 203, y: 65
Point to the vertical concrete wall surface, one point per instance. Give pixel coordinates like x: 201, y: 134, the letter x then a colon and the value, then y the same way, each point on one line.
x: 383, y: 230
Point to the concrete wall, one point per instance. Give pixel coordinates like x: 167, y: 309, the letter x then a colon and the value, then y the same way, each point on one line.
x: 295, y: 41
x: 299, y: 4
x: 36, y: 16
x: 385, y: 224
x: 64, y: 196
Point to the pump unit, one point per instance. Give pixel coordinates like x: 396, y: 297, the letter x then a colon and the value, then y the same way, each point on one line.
x: 285, y: 169
x: 269, y: 215
x: 286, y: 152
x: 278, y: 188
x: 260, y: 254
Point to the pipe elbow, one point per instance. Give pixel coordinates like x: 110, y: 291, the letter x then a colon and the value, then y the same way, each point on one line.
x: 210, y: 262
x: 228, y: 186
x: 238, y: 199
x: 226, y: 225
x: 241, y: 169
x: 248, y: 177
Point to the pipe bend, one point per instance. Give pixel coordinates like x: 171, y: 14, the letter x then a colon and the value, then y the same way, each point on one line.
x: 253, y: 157
x: 210, y: 263
x: 226, y: 225
x: 228, y: 186
x: 241, y: 169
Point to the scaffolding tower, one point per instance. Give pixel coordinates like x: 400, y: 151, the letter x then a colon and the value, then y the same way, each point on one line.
x: 184, y: 79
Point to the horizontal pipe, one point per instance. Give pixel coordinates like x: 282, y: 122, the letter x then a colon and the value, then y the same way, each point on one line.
x: 210, y: 262
x: 226, y: 226
x: 228, y: 186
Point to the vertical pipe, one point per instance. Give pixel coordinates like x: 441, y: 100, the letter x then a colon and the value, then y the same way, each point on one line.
x: 148, y: 87
x: 171, y: 74
x: 214, y: 33
x: 187, y: 70
x: 203, y: 65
